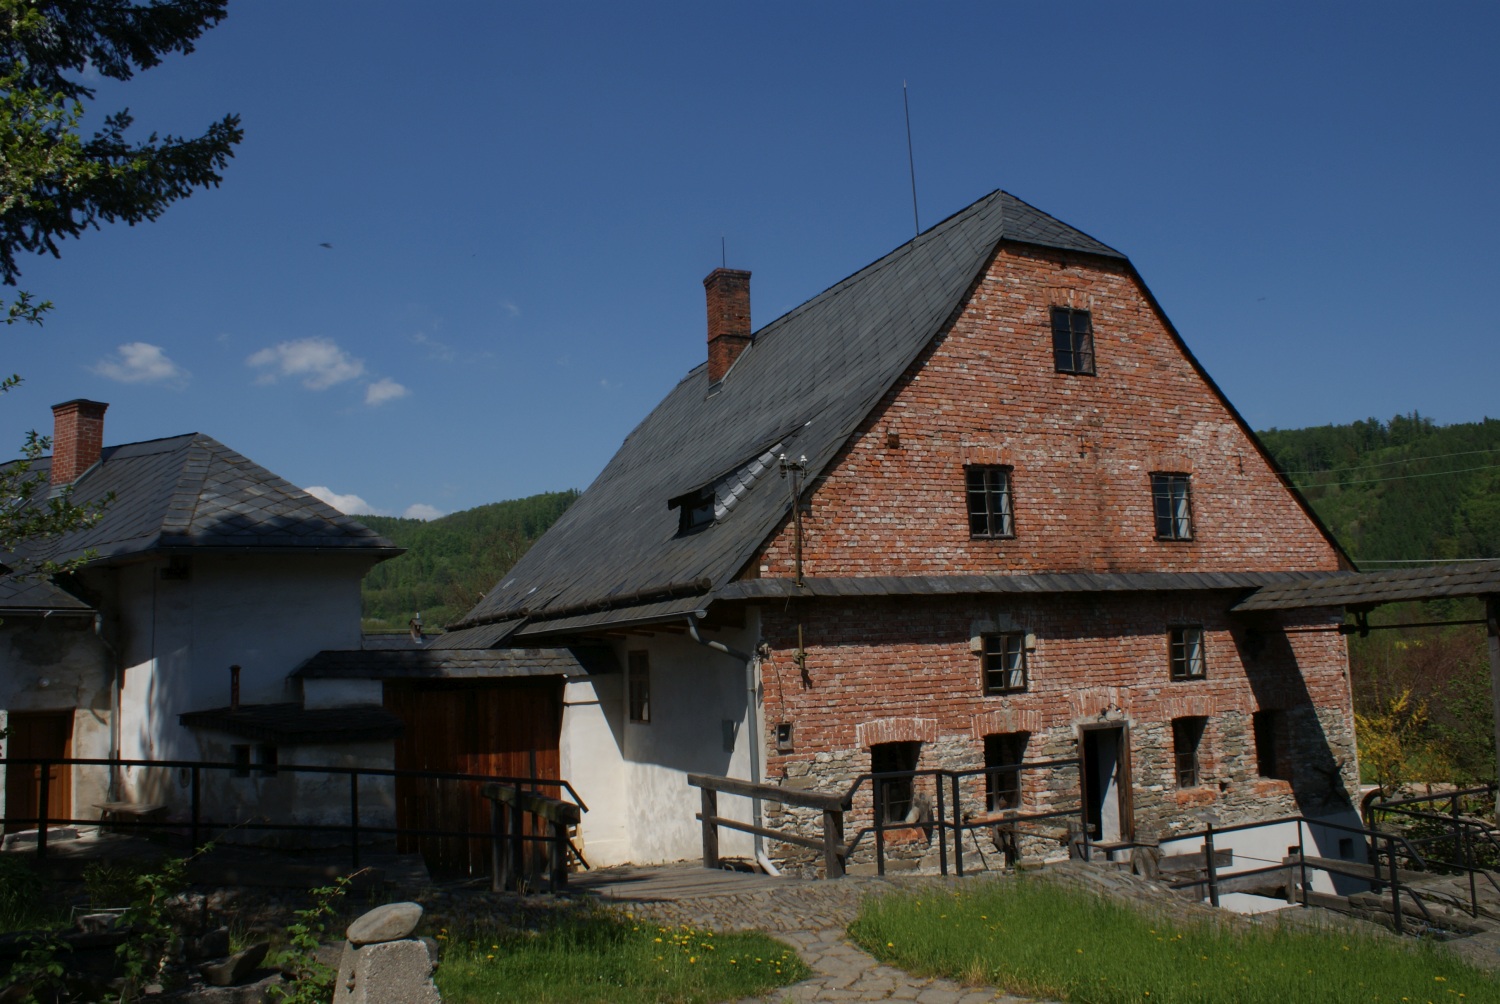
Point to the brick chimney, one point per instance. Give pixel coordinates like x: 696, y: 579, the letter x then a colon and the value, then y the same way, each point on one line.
x: 728, y: 292
x: 77, y: 438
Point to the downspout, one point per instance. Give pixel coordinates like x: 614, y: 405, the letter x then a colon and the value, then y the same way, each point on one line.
x: 116, y: 677
x: 752, y: 699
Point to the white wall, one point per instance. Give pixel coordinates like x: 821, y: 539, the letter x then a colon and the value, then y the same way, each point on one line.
x: 634, y: 775
x: 264, y: 613
x: 341, y: 693
x: 1263, y: 846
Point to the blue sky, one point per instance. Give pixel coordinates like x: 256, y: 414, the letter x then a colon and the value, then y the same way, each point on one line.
x: 522, y: 200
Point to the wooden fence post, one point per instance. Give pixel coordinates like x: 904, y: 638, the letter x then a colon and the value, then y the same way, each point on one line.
x: 710, y: 827
x: 833, y: 843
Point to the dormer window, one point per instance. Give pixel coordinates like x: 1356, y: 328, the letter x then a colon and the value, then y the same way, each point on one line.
x: 695, y: 510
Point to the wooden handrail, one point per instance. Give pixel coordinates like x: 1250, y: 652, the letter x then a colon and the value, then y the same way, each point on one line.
x: 832, y: 806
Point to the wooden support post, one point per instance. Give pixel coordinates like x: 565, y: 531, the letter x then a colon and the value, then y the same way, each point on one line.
x: 517, y: 846
x: 1492, y: 628
x: 710, y: 827
x: 557, y: 853
x: 1213, y: 866
x: 497, y: 855
x: 833, y: 843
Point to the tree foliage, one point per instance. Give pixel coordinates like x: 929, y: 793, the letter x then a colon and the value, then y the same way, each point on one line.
x: 55, y: 182
x: 452, y: 561
x: 1403, y: 490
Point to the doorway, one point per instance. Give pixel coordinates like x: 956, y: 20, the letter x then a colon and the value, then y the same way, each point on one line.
x: 1106, y: 783
x: 37, y: 735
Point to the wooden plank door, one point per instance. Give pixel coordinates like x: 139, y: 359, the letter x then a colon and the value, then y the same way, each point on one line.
x: 38, y: 734
x: 507, y: 728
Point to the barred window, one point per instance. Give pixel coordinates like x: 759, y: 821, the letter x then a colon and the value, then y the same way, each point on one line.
x: 1173, y: 505
x: 1072, y: 340
x: 1003, y: 754
x: 990, y: 511
x: 1004, y: 663
x: 1188, y: 661
x: 896, y: 793
x: 1187, y: 738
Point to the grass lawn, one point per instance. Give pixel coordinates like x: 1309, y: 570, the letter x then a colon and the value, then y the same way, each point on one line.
x: 1034, y: 938
x: 612, y: 959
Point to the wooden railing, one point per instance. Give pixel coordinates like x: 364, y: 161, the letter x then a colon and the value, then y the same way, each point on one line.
x: 509, y: 806
x: 835, y: 852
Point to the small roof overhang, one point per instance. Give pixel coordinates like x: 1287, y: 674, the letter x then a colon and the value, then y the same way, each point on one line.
x: 1362, y: 590
x: 457, y: 664
x: 292, y: 723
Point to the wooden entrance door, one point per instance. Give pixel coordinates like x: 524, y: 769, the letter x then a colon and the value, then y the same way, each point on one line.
x: 38, y: 734
x: 498, y: 727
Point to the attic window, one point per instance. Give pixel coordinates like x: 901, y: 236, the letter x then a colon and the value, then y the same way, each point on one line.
x: 695, y: 510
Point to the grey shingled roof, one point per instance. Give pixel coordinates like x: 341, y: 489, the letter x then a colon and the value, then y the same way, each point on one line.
x: 33, y: 594
x: 1357, y: 589
x: 802, y: 387
x: 192, y: 492
x: 292, y: 723
x: 455, y: 664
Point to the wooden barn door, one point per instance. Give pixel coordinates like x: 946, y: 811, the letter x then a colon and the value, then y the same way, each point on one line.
x: 38, y: 734
x: 498, y: 727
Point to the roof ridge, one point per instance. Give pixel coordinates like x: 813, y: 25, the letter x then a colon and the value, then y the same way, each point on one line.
x: 182, y: 504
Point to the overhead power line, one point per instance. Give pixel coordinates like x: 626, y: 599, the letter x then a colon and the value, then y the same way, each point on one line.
x: 1392, y: 463
x: 1396, y: 477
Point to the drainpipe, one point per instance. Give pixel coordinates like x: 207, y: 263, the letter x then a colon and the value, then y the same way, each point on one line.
x: 116, y: 673
x: 753, y: 720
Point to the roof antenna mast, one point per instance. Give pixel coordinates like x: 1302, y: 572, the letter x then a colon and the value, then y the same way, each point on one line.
x: 911, y: 162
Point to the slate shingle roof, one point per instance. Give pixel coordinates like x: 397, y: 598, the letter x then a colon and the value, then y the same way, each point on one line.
x: 456, y: 664
x: 1355, y: 589
x: 802, y: 387
x: 192, y: 492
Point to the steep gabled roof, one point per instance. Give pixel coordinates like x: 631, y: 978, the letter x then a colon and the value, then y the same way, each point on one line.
x: 193, y: 493
x: 801, y: 388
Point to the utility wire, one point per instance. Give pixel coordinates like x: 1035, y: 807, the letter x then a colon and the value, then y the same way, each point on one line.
x: 1391, y: 463
x: 1396, y: 477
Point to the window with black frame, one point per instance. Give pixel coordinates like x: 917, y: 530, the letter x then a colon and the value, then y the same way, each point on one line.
x: 1072, y: 340
x: 1004, y: 663
x: 1172, y: 501
x: 991, y: 512
x: 1188, y: 659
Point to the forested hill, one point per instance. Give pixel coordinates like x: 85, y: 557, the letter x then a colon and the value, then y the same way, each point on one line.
x: 450, y: 562
x: 1403, y: 490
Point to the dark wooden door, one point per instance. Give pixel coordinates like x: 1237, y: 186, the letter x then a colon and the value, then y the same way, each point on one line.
x: 506, y: 728
x: 38, y: 734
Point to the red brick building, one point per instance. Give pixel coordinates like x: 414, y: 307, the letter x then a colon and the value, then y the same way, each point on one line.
x: 1024, y: 513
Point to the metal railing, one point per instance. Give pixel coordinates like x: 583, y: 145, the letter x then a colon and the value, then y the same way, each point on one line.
x: 1214, y: 878
x: 948, y: 821
x: 190, y: 819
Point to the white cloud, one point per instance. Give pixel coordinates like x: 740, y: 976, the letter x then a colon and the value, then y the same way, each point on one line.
x: 511, y: 309
x: 349, y: 505
x: 139, y: 362
x: 422, y: 511
x: 383, y: 390
x: 318, y: 361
